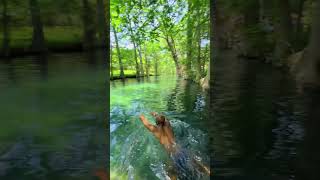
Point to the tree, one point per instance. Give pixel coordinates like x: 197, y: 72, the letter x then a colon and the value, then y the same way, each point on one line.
x: 141, y: 63
x: 310, y: 74
x: 168, y: 28
x: 156, y: 67
x: 189, y: 40
x: 198, y: 64
x: 102, y: 24
x: 5, y: 23
x: 88, y: 26
x: 147, y: 61
x: 127, y: 19
x: 298, y: 29
x: 38, y: 41
x: 138, y: 23
x: 284, y: 36
x: 111, y: 67
x: 108, y: 36
x: 119, y: 53
x: 214, y: 41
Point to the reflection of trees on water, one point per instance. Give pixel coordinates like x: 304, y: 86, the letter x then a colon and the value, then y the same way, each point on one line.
x: 156, y: 79
x: 183, y: 97
x: 42, y: 62
x: 85, y: 152
x: 97, y: 59
x: 12, y: 77
x: 37, y: 67
x: 308, y: 168
x: 34, y: 67
x: 172, y: 98
x: 187, y: 101
x: 253, y: 118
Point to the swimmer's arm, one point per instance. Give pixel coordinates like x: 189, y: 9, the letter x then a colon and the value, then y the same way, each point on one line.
x: 147, y: 124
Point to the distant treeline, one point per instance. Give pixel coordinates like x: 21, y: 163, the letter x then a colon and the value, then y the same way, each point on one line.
x: 34, y: 26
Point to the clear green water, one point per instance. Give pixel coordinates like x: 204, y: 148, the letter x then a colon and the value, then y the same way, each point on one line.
x: 135, y: 153
x: 52, y: 121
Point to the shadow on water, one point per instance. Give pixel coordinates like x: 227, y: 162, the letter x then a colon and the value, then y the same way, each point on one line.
x: 42, y: 62
x: 134, y: 151
x: 259, y: 123
x: 53, y: 126
x: 309, y: 160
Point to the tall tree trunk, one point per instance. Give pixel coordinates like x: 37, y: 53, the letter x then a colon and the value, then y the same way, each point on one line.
x: 283, y: 46
x: 310, y: 73
x: 261, y: 11
x: 69, y: 20
x: 204, y: 58
x: 5, y: 23
x: 251, y: 20
x: 134, y: 47
x: 88, y: 26
x: 299, y: 26
x: 199, y: 73
x: 38, y: 41
x: 156, y: 66
x: 108, y: 60
x: 174, y: 54
x: 214, y: 40
x: 147, y: 61
x: 111, y: 67
x: 136, y: 58
x: 189, y: 43
x: 102, y: 24
x: 141, y: 63
x: 119, y: 53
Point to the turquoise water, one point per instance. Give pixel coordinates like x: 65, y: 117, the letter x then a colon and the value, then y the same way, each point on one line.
x: 52, y: 121
x: 135, y: 153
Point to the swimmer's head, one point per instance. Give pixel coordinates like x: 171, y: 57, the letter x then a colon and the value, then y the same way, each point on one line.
x: 160, y: 119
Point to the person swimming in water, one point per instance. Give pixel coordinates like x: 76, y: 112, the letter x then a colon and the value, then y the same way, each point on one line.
x: 182, y: 161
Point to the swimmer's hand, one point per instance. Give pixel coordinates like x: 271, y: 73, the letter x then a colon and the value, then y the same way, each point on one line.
x: 141, y: 117
x: 154, y: 114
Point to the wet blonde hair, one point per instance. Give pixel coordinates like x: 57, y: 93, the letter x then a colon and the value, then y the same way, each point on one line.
x: 160, y: 120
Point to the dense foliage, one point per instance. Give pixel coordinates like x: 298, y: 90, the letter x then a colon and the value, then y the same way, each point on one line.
x: 160, y: 37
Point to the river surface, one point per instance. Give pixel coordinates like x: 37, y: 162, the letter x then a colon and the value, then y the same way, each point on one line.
x: 135, y: 152
x: 263, y: 127
x: 53, y: 126
x: 52, y: 120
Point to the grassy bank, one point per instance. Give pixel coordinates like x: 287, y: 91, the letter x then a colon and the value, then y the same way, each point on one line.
x: 127, y: 74
x: 58, y: 38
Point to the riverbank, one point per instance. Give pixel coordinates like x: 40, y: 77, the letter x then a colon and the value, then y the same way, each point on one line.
x: 130, y: 76
x: 58, y: 39
x: 128, y: 73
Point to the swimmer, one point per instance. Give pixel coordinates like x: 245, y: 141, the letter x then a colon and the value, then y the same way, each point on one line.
x: 164, y: 133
